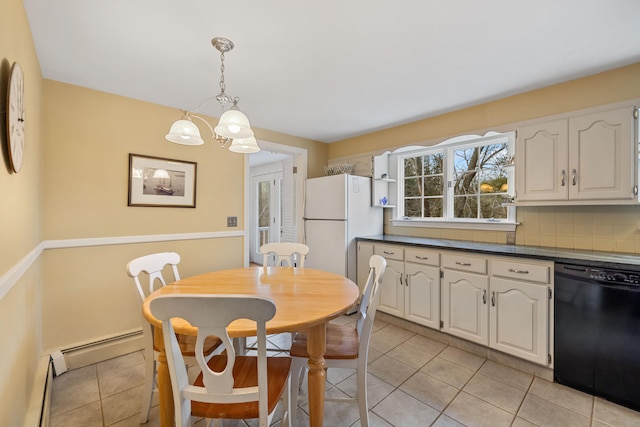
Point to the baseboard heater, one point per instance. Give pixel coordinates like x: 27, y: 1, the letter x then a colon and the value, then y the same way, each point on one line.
x: 37, y: 414
x: 77, y: 356
x: 88, y: 353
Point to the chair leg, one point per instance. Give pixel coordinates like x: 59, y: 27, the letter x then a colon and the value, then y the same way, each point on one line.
x: 363, y: 403
x: 149, y: 385
x: 297, y: 366
x: 287, y: 418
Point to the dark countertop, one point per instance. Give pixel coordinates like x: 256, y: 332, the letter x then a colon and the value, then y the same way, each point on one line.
x: 572, y: 256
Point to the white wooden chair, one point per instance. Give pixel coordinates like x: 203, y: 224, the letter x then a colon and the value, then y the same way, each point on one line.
x: 284, y: 254
x: 229, y: 386
x: 347, y: 347
x: 153, y: 265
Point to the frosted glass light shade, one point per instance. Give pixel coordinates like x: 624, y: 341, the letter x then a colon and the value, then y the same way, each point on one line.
x: 246, y: 145
x: 184, y: 132
x: 234, y: 124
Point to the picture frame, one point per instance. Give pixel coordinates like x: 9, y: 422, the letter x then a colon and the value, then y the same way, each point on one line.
x: 161, y: 182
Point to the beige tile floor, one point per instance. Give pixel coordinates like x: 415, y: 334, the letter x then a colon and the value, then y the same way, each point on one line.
x: 413, y: 381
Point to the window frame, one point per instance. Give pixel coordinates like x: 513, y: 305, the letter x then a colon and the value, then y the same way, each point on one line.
x: 447, y: 148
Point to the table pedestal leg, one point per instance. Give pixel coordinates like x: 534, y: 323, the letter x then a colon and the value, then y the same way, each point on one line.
x: 316, y: 346
x: 165, y: 394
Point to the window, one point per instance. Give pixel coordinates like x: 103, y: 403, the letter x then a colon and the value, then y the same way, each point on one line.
x: 458, y: 181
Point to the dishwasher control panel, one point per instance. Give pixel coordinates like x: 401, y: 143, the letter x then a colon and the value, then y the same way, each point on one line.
x: 613, y: 276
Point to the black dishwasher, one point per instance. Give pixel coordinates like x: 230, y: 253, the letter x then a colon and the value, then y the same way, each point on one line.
x: 597, y: 332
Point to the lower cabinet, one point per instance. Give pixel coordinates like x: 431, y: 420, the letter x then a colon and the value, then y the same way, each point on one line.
x: 411, y: 285
x: 422, y: 294
x: 521, y: 309
x: 365, y: 250
x: 464, y: 305
x: 500, y: 302
x: 392, y: 289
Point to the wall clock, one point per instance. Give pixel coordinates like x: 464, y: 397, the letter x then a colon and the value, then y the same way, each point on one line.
x: 15, y: 117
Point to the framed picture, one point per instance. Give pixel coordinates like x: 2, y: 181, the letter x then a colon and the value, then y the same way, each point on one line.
x: 156, y: 181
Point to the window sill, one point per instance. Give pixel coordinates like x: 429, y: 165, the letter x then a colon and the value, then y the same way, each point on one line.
x: 463, y: 225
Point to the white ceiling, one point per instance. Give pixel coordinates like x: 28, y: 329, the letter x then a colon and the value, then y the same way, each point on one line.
x: 329, y: 70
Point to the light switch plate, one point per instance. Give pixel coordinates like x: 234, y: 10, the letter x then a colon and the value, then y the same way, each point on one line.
x: 232, y: 221
x: 511, y: 237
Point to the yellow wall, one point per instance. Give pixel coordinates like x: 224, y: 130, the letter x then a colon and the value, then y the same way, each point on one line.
x: 604, y: 88
x: 89, y: 137
x: 61, y: 283
x: 605, y: 228
x: 20, y: 223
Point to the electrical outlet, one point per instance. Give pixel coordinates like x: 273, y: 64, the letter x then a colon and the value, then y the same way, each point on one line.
x: 511, y: 237
x: 232, y: 221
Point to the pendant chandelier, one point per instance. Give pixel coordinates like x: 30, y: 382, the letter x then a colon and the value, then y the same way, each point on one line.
x: 233, y: 126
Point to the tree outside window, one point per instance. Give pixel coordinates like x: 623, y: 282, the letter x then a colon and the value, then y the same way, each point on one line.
x: 465, y: 180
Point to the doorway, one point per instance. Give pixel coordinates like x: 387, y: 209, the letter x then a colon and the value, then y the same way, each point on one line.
x: 275, y: 162
x: 266, y: 221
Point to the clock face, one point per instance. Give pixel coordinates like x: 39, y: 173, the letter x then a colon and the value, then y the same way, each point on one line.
x: 15, y: 117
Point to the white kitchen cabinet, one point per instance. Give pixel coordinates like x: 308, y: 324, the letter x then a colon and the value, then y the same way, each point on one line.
x: 501, y: 302
x: 464, y: 293
x: 422, y: 287
x: 508, y: 310
x: 518, y: 319
x: 411, y: 284
x: 584, y: 158
x: 542, y: 158
x: 392, y: 285
x: 520, y: 308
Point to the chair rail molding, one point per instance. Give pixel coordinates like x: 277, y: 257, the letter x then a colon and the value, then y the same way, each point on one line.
x: 11, y: 277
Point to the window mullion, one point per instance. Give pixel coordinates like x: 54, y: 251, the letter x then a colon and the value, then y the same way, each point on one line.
x: 448, y: 190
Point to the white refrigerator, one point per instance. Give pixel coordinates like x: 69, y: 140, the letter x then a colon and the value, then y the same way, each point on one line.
x: 337, y: 210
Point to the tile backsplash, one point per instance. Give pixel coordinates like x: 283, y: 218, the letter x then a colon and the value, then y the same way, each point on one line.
x: 599, y: 228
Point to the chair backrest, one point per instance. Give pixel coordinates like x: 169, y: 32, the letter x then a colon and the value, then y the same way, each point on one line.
x: 370, y: 299
x: 287, y: 253
x: 153, y: 265
x: 211, y: 314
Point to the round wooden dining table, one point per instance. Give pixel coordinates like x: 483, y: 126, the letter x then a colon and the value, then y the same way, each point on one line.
x: 305, y: 299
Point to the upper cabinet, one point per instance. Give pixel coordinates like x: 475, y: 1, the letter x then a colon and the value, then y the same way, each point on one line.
x: 583, y: 159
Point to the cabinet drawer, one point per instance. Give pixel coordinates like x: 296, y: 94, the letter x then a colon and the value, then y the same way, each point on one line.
x: 465, y: 263
x: 521, y: 270
x: 389, y: 252
x: 420, y: 256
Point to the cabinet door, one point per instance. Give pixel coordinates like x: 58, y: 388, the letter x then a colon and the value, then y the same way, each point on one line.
x: 392, y: 289
x: 519, y: 319
x: 365, y: 250
x: 601, y: 153
x: 465, y: 312
x: 422, y: 294
x: 542, y: 161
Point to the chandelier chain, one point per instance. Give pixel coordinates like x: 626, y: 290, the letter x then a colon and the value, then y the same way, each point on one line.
x: 222, y: 85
